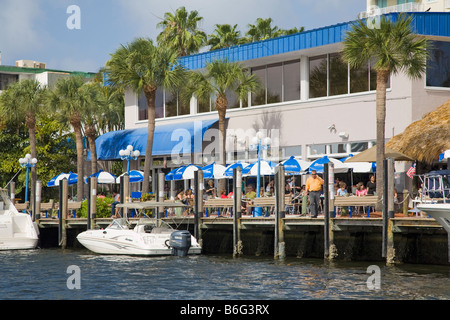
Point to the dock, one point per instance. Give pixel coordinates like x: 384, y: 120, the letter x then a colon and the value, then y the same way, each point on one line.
x: 412, y: 239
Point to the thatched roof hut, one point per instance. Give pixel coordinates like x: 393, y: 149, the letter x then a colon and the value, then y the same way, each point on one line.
x: 425, y: 139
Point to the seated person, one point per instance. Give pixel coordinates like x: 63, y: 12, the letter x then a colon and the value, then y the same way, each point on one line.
x: 342, y: 191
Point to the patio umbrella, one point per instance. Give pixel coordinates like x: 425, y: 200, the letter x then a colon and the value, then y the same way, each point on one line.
x: 71, y: 177
x: 295, y: 166
x: 103, y: 177
x: 370, y: 155
x: 444, y: 155
x: 359, y: 167
x: 228, y: 173
x: 213, y: 171
x: 318, y: 165
x: 135, y: 176
x: 185, y: 172
x: 267, y: 168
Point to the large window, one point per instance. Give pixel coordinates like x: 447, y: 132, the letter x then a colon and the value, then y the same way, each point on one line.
x: 338, y: 75
x: 274, y: 83
x: 318, y: 76
x: 143, y: 107
x: 291, y: 80
x: 7, y: 79
x: 438, y: 65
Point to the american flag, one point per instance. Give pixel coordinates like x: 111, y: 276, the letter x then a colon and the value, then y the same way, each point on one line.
x: 411, y: 171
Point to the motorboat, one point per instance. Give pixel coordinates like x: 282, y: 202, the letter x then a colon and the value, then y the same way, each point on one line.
x: 150, y: 237
x: 435, y: 198
x: 17, y: 230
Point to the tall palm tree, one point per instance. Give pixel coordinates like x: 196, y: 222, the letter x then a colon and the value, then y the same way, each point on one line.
x: 181, y: 33
x: 221, y: 77
x: 224, y: 36
x: 142, y: 66
x: 70, y: 100
x: 22, y: 102
x: 393, y: 47
x: 262, y: 30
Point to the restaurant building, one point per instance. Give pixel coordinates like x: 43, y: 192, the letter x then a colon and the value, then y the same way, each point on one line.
x: 311, y: 103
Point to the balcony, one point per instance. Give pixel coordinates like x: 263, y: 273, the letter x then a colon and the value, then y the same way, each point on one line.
x: 405, y: 7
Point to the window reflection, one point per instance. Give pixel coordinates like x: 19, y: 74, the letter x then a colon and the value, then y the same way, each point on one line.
x: 274, y: 83
x: 318, y: 74
x: 438, y: 65
x: 338, y: 75
x: 291, y: 73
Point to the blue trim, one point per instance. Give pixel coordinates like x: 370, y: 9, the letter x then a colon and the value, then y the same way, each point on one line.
x: 424, y: 23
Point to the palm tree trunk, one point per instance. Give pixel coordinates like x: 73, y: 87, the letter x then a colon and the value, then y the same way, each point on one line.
x: 90, y: 133
x: 79, y: 144
x: 221, y: 105
x: 150, y: 93
x: 382, y: 79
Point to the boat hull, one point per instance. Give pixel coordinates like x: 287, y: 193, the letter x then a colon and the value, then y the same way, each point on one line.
x: 18, y: 244
x: 439, y: 211
x: 130, y: 243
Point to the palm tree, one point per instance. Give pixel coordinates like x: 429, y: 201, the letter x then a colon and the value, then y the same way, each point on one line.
x: 181, y: 33
x: 92, y: 116
x: 22, y: 102
x: 221, y: 77
x: 393, y: 48
x: 224, y: 36
x: 142, y: 66
x: 262, y: 30
x: 70, y: 101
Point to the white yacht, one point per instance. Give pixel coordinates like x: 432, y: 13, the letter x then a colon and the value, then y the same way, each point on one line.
x: 17, y: 230
x: 147, y: 238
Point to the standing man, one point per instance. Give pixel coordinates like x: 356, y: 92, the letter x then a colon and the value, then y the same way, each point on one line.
x: 313, y: 188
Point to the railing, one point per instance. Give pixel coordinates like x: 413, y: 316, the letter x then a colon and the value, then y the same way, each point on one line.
x: 436, y: 188
x: 405, y: 7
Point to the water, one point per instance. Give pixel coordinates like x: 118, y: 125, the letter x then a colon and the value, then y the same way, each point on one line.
x: 42, y: 275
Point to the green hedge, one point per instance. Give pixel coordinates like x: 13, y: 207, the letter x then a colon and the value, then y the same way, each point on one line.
x: 103, y: 208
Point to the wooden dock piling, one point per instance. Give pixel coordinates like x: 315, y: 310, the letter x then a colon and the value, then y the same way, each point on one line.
x: 280, y: 213
x: 237, y: 212
x: 63, y: 209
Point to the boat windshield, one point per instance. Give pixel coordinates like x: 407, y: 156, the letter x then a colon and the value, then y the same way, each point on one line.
x: 118, y: 224
x: 436, y: 186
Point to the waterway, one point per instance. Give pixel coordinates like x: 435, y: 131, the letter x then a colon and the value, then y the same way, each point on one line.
x: 78, y: 274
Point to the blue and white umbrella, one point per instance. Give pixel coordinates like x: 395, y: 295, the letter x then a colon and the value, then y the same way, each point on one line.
x: 295, y: 166
x: 267, y: 169
x: 318, y: 165
x: 228, y: 173
x: 213, y: 171
x: 444, y: 155
x: 103, y: 177
x: 71, y: 177
x: 182, y: 173
x: 135, y: 176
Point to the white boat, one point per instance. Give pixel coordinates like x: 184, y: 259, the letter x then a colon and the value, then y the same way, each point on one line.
x: 439, y: 211
x: 17, y: 230
x: 435, y: 199
x: 147, y: 238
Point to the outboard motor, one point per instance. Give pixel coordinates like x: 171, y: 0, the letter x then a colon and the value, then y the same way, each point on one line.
x: 180, y: 241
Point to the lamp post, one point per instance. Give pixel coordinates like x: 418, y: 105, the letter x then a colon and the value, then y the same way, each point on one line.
x: 28, y: 163
x: 258, y: 144
x: 129, y: 154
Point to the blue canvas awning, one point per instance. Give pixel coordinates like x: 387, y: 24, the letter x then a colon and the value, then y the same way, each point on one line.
x: 186, y: 137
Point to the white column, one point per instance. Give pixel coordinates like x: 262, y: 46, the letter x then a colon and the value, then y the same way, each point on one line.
x: 304, y: 78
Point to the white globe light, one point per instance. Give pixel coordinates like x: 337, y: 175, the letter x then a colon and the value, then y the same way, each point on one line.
x: 34, y: 161
x: 127, y: 152
x: 137, y: 153
x: 122, y: 153
x: 130, y: 147
x: 267, y: 141
x: 254, y: 140
x: 28, y: 156
x: 22, y: 160
x: 259, y: 135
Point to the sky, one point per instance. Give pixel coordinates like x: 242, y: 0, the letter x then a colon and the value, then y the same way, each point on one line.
x: 42, y: 30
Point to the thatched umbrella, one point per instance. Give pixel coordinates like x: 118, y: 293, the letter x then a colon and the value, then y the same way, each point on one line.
x: 425, y: 139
